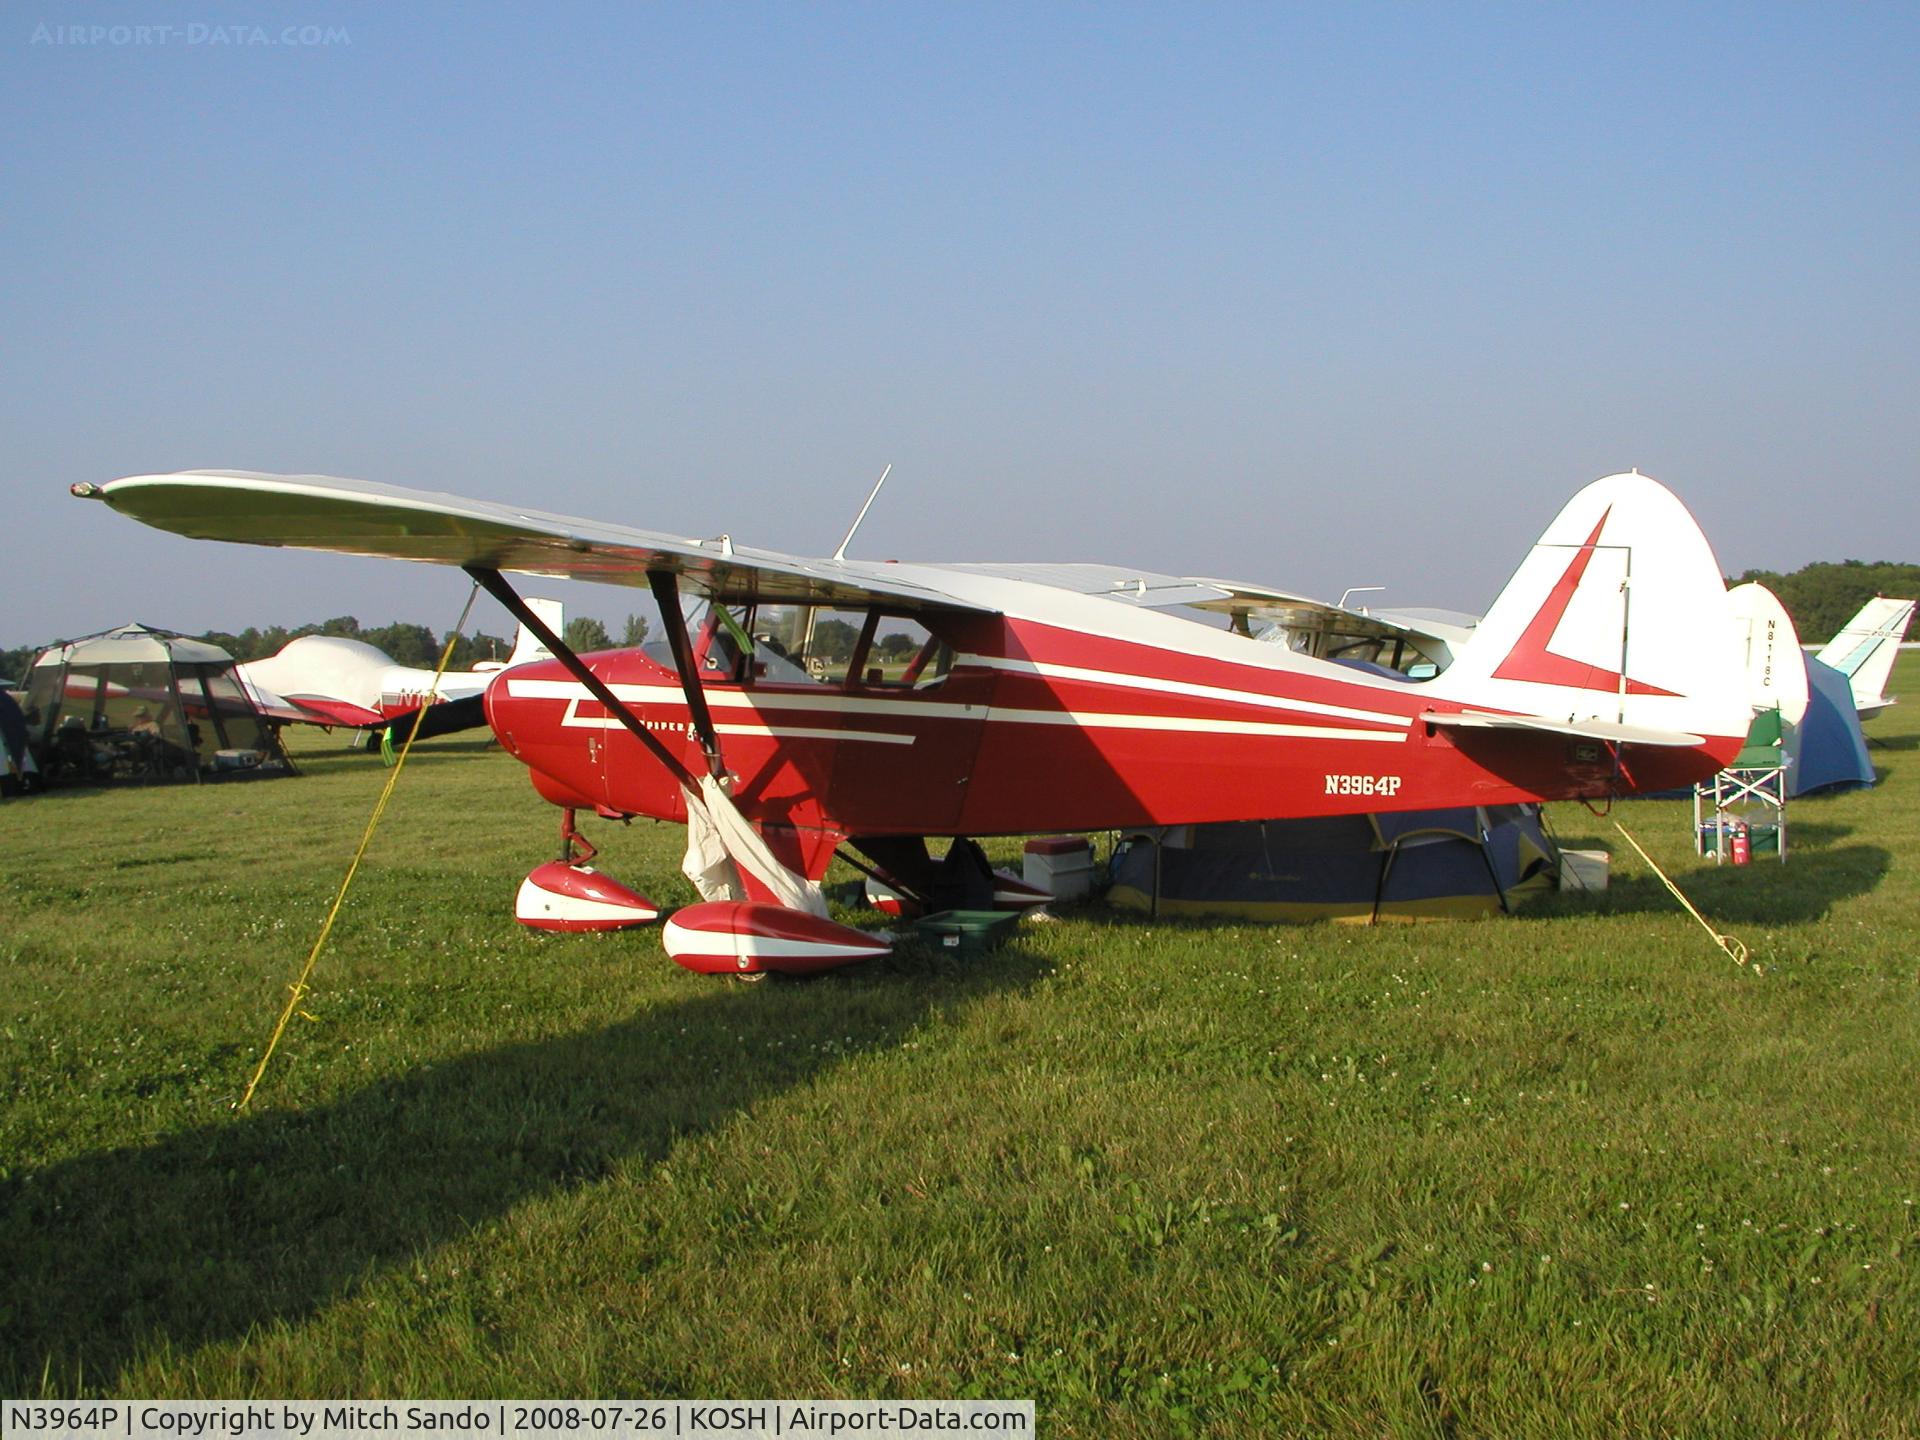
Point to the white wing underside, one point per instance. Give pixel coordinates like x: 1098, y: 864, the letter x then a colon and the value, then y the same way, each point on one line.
x: 360, y: 517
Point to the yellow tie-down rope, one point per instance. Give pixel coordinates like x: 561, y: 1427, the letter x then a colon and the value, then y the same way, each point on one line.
x: 298, y: 990
x: 1736, y: 951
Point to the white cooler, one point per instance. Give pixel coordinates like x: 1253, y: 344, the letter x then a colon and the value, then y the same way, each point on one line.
x: 1062, y: 865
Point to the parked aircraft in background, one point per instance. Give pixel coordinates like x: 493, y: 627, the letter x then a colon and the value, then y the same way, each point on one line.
x: 1820, y: 741
x: 332, y: 680
x: 1865, y: 649
x: 800, y: 708
x: 1776, y: 665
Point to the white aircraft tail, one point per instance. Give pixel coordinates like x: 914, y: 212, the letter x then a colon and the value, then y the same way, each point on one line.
x: 528, y: 647
x: 1865, y: 648
x: 1776, y: 666
x: 1616, y: 622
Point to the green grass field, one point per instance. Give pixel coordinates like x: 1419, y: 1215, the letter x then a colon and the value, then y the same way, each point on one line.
x: 1570, y: 1173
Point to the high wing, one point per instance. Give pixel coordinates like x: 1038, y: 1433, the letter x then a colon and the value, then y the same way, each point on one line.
x: 359, y: 517
x: 1323, y: 629
x: 1310, y: 626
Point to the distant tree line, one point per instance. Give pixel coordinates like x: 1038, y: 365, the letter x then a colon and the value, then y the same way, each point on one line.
x: 1823, y: 596
x: 407, y: 644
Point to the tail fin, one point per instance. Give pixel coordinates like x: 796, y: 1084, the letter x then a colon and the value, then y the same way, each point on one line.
x: 528, y: 647
x: 1618, y: 615
x: 1866, y: 646
x: 1776, y: 668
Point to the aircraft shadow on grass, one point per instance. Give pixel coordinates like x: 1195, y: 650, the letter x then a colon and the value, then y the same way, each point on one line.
x: 204, y: 1235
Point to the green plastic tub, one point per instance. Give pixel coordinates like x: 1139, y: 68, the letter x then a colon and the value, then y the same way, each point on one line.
x: 971, y: 932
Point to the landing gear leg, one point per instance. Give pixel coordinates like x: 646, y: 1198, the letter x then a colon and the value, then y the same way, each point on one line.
x: 570, y: 837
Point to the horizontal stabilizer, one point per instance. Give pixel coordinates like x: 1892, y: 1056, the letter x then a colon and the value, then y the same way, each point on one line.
x: 1610, y: 731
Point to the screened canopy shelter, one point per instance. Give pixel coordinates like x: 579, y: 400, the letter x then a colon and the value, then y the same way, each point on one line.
x: 143, y: 705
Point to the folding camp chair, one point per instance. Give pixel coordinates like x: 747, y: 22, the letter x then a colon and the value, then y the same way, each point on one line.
x: 1750, y: 795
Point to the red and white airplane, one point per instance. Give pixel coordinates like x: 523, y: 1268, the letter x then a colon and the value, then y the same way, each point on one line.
x: 335, y: 680
x: 798, y: 707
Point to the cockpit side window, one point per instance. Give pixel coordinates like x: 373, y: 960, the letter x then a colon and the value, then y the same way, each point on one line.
x: 905, y: 655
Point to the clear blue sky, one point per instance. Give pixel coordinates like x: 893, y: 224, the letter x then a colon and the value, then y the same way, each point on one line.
x: 1315, y: 295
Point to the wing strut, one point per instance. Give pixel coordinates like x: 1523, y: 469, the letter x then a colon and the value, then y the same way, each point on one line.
x: 495, y: 584
x: 666, y: 595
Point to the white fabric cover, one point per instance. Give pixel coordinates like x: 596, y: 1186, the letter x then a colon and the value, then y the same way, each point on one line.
x: 719, y: 838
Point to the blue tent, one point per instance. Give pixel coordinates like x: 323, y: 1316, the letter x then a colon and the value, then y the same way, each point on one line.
x: 1829, y: 750
x: 1416, y: 865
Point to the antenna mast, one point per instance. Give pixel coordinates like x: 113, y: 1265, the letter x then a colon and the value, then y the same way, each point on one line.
x: 841, y: 553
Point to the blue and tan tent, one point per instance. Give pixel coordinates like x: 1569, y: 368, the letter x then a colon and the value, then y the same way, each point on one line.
x: 1415, y: 865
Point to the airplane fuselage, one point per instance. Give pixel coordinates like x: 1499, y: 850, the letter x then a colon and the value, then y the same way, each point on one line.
x: 1037, y: 727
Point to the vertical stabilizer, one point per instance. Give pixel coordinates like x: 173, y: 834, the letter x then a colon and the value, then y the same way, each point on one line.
x: 1618, y: 614
x: 1865, y: 649
x: 526, y: 645
x: 1776, y: 666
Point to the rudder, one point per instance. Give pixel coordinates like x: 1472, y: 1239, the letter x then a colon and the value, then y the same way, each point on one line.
x: 528, y: 647
x: 1619, y: 613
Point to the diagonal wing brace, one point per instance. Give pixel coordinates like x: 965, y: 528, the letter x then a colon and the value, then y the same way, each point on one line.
x: 495, y: 584
x: 666, y: 594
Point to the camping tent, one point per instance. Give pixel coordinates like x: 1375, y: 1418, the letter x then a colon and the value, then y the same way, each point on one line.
x: 143, y: 705
x: 1416, y: 865
x: 1829, y: 750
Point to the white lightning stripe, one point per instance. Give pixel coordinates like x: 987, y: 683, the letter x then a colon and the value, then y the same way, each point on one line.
x: 574, y: 693
x: 574, y: 720
x: 1183, y: 724
x: 1176, y: 687
x: 758, y: 702
x: 802, y: 732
